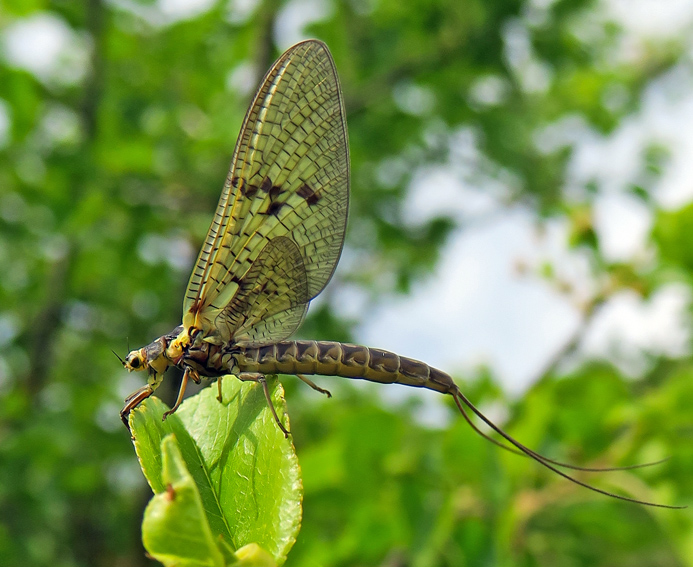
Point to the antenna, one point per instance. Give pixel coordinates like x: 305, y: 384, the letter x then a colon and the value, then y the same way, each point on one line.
x: 118, y: 357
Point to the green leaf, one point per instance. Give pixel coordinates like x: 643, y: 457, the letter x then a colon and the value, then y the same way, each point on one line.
x: 245, y: 471
x: 175, y: 530
x: 252, y: 555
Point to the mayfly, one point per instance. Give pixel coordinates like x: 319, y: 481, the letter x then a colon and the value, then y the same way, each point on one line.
x: 273, y: 246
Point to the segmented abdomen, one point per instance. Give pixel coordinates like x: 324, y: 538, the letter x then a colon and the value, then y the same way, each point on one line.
x: 329, y: 358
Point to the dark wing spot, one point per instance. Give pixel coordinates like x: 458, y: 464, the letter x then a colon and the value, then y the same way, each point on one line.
x: 274, y: 192
x: 196, y: 306
x: 308, y: 194
x: 266, y: 184
x: 274, y: 207
x: 249, y: 190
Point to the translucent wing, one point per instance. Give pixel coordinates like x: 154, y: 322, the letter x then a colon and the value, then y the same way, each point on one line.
x: 289, y: 178
x: 271, y: 300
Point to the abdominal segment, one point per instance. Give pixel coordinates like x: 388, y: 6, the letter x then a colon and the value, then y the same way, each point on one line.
x: 329, y: 358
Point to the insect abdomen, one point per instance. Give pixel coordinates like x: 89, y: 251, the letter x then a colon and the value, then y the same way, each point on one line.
x: 329, y: 358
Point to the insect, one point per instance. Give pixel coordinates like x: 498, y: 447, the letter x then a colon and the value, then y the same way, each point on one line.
x: 273, y: 245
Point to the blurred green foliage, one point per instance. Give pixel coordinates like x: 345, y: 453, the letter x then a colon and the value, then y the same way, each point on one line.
x: 109, y: 173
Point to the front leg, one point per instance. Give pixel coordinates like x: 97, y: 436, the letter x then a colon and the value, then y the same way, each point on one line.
x: 258, y: 377
x: 133, y: 400
x: 138, y: 396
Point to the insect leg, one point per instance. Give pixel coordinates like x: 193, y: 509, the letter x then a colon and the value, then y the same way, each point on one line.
x: 314, y: 385
x: 257, y: 377
x: 188, y: 373
x: 133, y: 400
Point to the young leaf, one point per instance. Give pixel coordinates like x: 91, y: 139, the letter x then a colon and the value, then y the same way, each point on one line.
x: 252, y: 555
x: 175, y: 530
x: 246, y: 472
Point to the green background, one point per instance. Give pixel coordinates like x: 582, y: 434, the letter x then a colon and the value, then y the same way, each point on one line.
x: 108, y: 180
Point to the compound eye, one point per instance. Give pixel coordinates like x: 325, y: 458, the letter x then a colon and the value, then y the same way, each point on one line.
x: 134, y: 362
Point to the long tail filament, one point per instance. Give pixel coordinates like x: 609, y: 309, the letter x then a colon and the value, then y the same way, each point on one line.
x: 550, y: 464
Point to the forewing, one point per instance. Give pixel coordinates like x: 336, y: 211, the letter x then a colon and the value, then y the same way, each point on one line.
x: 289, y: 177
x: 272, y: 298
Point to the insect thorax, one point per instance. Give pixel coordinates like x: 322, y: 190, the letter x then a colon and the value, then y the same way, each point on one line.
x: 210, y: 358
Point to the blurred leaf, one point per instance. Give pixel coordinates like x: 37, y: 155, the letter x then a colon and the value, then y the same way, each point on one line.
x: 673, y: 233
